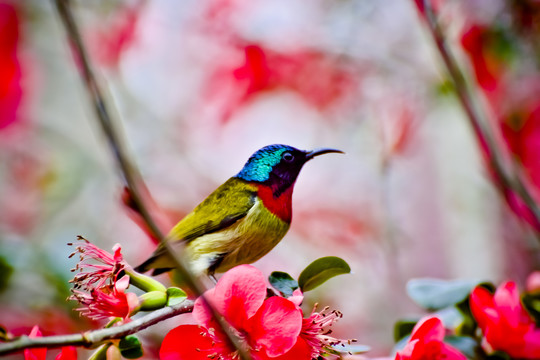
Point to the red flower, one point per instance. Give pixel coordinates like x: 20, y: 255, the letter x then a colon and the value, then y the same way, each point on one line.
x: 67, y: 353
x: 10, y: 69
x: 476, y: 40
x: 263, y: 70
x: 505, y: 323
x: 107, y: 301
x: 426, y: 342
x: 107, y: 269
x: 268, y: 328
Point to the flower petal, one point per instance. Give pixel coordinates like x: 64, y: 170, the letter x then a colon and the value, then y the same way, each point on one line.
x: 189, y: 342
x: 507, y: 301
x: 122, y: 284
x: 201, y: 313
x: 408, y: 349
x: 276, y: 326
x: 531, y: 350
x: 238, y: 295
x: 68, y: 353
x: 428, y: 328
x: 481, y: 302
x: 300, y: 351
x: 297, y: 297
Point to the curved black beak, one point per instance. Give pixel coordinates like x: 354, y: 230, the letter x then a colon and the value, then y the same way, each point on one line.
x: 311, y: 154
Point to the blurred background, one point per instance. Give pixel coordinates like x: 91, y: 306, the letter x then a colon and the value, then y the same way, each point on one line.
x: 198, y: 86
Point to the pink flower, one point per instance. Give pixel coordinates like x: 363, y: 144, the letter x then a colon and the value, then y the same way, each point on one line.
x: 115, y: 35
x: 94, y: 275
x: 316, y: 333
x: 268, y: 328
x: 533, y: 282
x: 108, y: 301
x: 67, y: 353
x: 426, y: 342
x: 505, y: 323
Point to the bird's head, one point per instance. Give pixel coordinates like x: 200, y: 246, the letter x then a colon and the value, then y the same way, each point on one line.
x: 278, y: 165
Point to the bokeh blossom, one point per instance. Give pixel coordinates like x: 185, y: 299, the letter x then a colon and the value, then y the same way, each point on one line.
x: 505, y: 323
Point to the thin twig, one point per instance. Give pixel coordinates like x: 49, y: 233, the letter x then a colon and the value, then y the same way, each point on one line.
x: 507, y: 176
x: 129, y: 171
x: 96, y: 337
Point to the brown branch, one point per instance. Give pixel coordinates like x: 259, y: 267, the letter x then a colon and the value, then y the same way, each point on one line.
x: 129, y: 171
x: 96, y: 337
x: 507, y: 175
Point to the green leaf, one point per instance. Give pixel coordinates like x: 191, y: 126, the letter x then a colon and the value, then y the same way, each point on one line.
x: 532, y: 304
x: 283, y: 282
x: 5, y: 273
x: 435, y: 294
x: 175, y: 296
x: 321, y: 270
x: 468, y: 326
x: 130, y: 347
x: 403, y: 328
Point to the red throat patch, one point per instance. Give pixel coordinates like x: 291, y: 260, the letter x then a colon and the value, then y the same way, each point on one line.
x: 279, y: 206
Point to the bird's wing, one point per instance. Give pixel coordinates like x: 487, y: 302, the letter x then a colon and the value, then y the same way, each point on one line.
x: 227, y: 204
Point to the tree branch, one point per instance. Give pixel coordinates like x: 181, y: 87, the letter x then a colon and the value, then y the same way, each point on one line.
x: 507, y: 176
x: 129, y: 171
x: 95, y: 337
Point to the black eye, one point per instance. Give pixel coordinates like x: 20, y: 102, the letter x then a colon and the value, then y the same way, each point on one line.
x: 287, y: 156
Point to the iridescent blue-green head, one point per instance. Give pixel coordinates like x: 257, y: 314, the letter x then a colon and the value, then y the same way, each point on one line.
x: 278, y: 165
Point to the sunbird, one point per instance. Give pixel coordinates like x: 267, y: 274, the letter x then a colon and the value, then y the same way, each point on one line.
x: 243, y: 219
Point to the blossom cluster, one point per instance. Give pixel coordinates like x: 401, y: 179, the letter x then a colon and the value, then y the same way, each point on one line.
x: 269, y: 328
x: 504, y: 326
x: 274, y: 327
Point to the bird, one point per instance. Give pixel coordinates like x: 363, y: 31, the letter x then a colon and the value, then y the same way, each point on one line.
x: 242, y: 220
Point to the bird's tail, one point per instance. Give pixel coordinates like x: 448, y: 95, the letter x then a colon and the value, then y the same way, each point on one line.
x: 156, y: 262
x: 145, y: 266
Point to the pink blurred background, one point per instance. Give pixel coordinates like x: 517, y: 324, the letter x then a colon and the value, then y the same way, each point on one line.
x: 198, y: 87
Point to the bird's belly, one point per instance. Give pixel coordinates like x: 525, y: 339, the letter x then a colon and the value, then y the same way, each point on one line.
x: 244, y: 242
